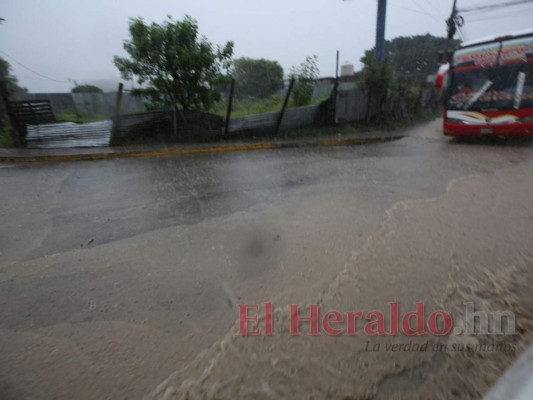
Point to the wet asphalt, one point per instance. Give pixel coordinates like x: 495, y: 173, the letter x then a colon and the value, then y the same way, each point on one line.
x: 86, y: 204
x: 107, y: 209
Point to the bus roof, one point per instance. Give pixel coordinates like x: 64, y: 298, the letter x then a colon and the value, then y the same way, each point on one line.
x: 511, y: 35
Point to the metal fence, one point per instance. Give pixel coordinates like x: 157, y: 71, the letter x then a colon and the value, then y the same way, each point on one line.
x: 160, y: 124
x: 267, y: 122
x: 351, y: 106
x: 345, y: 104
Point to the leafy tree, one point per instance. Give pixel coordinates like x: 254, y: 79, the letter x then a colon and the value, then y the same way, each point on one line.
x: 86, y: 89
x: 413, y: 58
x: 375, y: 75
x: 378, y: 80
x: 175, y: 66
x: 11, y: 80
x: 257, y: 78
x: 305, y: 76
x: 8, y: 135
x: 409, y: 60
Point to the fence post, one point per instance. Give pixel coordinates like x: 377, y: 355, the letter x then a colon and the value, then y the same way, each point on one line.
x: 335, y: 92
x: 115, y: 129
x: 285, y: 103
x: 230, y: 104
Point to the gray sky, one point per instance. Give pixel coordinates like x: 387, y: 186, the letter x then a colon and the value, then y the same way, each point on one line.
x: 77, y: 39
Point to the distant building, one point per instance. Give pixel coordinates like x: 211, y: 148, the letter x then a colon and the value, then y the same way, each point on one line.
x: 347, y: 70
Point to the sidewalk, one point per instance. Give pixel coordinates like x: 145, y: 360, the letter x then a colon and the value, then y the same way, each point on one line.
x: 17, y: 155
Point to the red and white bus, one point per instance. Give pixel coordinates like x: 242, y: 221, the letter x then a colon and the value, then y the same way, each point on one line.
x: 489, y: 87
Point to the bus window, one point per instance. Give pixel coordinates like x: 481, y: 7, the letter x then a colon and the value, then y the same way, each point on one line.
x: 527, y: 93
x: 464, y: 85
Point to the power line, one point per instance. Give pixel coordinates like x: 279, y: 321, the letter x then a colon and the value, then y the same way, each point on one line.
x: 31, y: 70
x: 495, y: 6
x: 420, y: 7
x: 433, y: 7
x: 499, y: 16
x: 425, y: 11
x: 416, y: 11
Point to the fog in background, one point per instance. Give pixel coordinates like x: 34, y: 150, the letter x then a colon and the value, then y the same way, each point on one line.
x: 50, y: 44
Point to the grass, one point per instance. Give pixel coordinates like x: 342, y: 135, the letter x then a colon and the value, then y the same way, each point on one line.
x: 242, y: 108
x: 83, y: 117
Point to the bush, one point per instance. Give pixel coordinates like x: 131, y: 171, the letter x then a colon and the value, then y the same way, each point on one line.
x: 305, y: 76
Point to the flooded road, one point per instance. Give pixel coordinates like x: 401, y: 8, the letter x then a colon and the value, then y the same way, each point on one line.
x: 122, y: 279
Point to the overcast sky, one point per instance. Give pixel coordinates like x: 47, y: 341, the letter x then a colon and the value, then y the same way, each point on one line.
x: 49, y: 42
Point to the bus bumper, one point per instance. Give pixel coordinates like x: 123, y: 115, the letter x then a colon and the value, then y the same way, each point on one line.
x: 498, y: 130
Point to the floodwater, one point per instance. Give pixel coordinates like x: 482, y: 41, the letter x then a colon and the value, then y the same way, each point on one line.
x: 122, y: 280
x: 472, y: 244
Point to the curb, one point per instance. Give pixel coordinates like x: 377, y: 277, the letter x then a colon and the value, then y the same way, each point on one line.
x: 195, y: 150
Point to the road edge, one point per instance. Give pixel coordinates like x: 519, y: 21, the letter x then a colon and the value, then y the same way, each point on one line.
x: 114, y: 154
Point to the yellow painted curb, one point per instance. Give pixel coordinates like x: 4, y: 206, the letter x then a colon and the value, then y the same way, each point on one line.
x: 192, y: 150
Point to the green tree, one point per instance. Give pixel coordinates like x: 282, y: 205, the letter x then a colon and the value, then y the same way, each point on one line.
x: 375, y: 75
x: 413, y: 58
x: 86, y: 89
x: 257, y: 77
x: 11, y: 80
x: 377, y: 80
x: 8, y: 135
x: 175, y: 66
x: 305, y: 76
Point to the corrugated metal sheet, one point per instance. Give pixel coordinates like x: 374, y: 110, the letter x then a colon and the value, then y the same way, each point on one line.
x: 69, y: 134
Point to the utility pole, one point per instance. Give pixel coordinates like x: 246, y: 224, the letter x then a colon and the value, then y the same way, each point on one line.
x: 451, y: 24
x: 380, y: 30
x: 452, y: 28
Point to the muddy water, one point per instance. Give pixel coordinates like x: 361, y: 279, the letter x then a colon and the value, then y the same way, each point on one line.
x: 472, y: 244
x: 115, y: 318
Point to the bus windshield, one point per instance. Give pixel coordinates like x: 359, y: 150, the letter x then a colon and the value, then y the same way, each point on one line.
x: 496, y: 75
x: 502, y: 87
